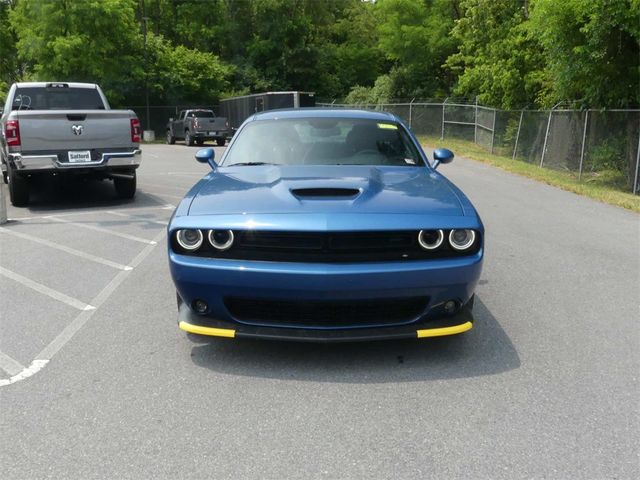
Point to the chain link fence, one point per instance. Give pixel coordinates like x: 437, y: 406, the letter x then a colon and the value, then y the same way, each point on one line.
x: 584, y: 142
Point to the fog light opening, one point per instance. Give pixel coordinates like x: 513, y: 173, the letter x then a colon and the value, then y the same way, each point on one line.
x: 450, y: 306
x: 199, y: 306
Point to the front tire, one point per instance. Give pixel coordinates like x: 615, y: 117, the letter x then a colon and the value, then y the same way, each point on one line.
x: 125, y: 187
x: 221, y: 142
x: 18, y: 189
x: 170, y: 138
x: 188, y: 139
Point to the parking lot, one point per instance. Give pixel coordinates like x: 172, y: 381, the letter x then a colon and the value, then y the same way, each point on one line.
x: 97, y: 381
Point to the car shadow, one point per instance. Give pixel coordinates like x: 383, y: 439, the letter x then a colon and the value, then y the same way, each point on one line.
x: 81, y: 194
x: 484, y: 350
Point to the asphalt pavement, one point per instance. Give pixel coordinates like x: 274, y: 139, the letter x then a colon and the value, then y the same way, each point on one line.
x: 96, y: 380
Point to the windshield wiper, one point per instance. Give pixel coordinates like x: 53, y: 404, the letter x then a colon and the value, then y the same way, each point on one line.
x: 249, y: 164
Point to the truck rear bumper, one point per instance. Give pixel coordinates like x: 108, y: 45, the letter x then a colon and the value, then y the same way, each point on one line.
x: 51, y: 162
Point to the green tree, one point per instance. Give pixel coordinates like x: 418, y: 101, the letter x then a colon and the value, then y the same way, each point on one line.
x: 414, y: 37
x: 498, y: 60
x: 184, y: 75
x: 101, y: 41
x: 90, y: 40
x: 351, y: 44
x: 591, y: 50
x: 9, y: 65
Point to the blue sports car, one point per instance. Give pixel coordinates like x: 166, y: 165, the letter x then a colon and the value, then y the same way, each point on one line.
x: 325, y: 225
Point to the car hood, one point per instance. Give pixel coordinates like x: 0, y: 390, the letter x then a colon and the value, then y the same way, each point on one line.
x: 324, y: 189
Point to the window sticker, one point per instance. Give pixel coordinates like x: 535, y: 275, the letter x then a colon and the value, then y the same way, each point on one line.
x: 388, y: 126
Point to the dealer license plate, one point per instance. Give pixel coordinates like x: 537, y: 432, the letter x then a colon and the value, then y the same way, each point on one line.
x: 79, y: 156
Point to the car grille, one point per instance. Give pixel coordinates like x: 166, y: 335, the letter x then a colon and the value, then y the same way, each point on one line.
x: 329, y: 247
x: 326, y: 313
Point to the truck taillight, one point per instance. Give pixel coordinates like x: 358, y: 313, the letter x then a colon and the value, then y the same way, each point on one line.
x: 12, y: 133
x: 135, y: 130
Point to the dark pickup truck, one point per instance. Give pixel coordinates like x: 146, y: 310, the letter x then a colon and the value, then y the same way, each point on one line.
x: 196, y: 127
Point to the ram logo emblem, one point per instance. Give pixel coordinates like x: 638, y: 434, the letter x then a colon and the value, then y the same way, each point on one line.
x: 77, y: 129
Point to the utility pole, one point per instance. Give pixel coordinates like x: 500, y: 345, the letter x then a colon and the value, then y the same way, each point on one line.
x: 145, y: 19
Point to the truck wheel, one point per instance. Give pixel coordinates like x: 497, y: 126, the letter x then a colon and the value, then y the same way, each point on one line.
x: 18, y: 189
x: 170, y: 138
x: 125, y: 187
x: 220, y: 142
x: 188, y: 139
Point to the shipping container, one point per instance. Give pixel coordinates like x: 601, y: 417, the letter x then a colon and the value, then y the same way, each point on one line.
x: 238, y: 109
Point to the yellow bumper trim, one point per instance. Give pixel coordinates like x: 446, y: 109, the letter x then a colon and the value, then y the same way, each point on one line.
x: 440, y: 332
x: 213, y: 332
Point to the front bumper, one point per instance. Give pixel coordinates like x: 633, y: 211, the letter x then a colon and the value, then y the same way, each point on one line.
x: 214, y: 280
x: 192, y: 323
x: 51, y: 161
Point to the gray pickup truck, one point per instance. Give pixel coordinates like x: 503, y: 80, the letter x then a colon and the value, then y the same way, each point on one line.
x: 63, y: 129
x: 196, y: 126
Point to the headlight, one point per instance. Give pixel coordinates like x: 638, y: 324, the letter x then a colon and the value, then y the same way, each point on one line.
x: 221, y: 239
x: 430, y: 239
x: 462, y: 239
x: 189, y: 239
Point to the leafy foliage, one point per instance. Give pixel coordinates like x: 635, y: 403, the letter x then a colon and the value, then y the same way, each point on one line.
x: 591, y: 50
x: 508, y: 53
x: 498, y: 60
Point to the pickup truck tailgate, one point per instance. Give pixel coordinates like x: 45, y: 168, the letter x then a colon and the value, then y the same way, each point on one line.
x: 211, y: 124
x: 43, y: 130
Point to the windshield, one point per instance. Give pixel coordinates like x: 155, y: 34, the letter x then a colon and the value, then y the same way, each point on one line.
x: 203, y: 114
x: 69, y: 98
x: 323, y: 141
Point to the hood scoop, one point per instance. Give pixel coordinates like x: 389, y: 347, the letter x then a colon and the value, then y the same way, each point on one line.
x: 328, y: 193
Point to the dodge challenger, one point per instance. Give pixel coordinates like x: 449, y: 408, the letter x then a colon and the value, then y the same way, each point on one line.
x: 325, y: 225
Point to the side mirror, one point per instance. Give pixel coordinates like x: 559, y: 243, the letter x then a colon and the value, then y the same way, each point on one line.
x: 205, y: 155
x: 442, y: 155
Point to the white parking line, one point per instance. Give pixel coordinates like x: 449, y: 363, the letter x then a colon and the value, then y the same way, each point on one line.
x: 160, y: 194
x: 87, y: 212
x: 67, y: 334
x: 32, y: 369
x: 103, y: 230
x: 50, y: 292
x: 9, y: 365
x: 158, y: 185
x: 134, y: 217
x: 64, y: 248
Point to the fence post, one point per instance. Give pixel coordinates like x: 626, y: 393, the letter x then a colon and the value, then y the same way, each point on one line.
x: 443, y: 104
x: 546, y: 135
x: 3, y: 203
x: 515, y: 147
x: 475, y: 124
x: 411, y: 111
x: 584, y: 137
x: 635, y: 180
x: 493, y: 128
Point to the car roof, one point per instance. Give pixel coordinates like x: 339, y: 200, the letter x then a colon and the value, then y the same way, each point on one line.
x: 323, y: 113
x: 44, y: 84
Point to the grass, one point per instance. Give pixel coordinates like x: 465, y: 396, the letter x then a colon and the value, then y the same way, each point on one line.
x: 607, y: 186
